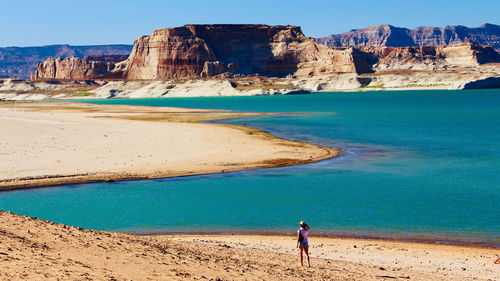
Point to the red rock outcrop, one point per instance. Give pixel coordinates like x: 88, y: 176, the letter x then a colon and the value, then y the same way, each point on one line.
x: 77, y: 69
x: 469, y: 54
x: 210, y: 50
x: 424, y: 36
x: 193, y: 51
x: 466, y: 54
x: 20, y: 62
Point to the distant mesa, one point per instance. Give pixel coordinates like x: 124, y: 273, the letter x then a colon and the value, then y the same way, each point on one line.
x: 20, y: 62
x: 424, y: 36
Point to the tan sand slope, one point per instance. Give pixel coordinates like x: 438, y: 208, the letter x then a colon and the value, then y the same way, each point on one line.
x: 57, y: 143
x: 32, y: 249
x: 398, y: 259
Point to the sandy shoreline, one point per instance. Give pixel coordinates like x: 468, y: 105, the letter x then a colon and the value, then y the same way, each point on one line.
x: 433, y: 259
x: 33, y: 249
x: 464, y: 241
x: 65, y: 143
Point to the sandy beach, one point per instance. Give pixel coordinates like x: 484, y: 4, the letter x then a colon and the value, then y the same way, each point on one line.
x: 62, y: 143
x: 33, y: 249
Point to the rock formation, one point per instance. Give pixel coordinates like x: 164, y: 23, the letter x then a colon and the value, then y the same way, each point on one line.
x: 213, y: 50
x: 196, y: 51
x: 77, y: 69
x: 390, y: 36
x: 466, y: 54
x: 20, y: 62
x: 210, y: 50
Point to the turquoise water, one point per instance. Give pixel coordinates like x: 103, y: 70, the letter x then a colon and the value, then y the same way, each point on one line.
x: 417, y: 164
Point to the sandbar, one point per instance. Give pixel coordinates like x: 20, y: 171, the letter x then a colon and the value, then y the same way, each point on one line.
x: 56, y: 143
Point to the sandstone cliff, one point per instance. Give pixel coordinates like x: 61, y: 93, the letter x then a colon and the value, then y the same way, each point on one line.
x: 197, y: 51
x: 21, y: 62
x: 215, y: 50
x: 466, y: 54
x: 96, y: 67
x: 211, y: 50
x: 391, y: 36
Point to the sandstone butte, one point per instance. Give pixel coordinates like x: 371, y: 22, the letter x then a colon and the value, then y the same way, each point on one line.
x: 194, y: 51
x: 210, y: 50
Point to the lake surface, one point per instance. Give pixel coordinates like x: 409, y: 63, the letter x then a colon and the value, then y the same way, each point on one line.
x: 416, y: 165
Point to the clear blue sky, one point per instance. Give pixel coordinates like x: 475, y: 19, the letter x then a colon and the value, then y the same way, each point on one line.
x: 45, y: 22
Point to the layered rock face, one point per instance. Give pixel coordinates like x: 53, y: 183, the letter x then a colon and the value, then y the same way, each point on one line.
x: 96, y: 67
x: 391, y: 36
x: 194, y: 51
x: 213, y: 50
x: 466, y: 54
x: 210, y: 50
x: 20, y: 62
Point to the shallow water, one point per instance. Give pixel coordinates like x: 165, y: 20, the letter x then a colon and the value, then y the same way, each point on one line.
x: 416, y: 164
